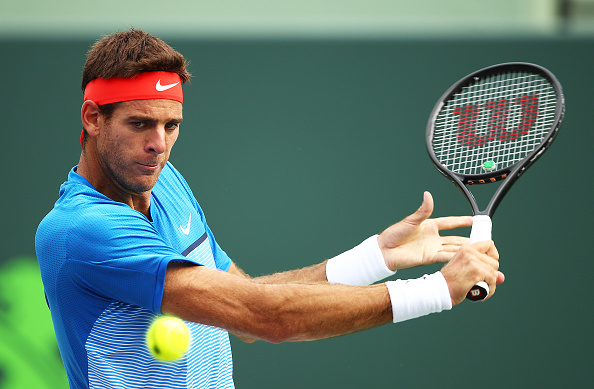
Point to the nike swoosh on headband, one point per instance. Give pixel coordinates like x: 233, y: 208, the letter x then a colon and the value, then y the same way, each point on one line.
x: 162, y: 88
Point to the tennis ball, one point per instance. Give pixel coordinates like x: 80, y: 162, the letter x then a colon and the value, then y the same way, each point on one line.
x: 168, y: 338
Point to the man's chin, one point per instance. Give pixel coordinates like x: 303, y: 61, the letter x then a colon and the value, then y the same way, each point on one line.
x: 140, y: 186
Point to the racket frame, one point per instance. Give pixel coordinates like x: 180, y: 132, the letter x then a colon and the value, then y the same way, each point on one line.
x: 509, y: 174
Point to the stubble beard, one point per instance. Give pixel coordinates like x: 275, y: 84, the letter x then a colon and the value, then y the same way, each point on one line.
x: 119, y: 171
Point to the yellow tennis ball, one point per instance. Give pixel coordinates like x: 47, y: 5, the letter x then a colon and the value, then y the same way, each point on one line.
x: 168, y: 338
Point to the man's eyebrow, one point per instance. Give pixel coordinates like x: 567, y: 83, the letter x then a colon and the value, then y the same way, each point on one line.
x: 140, y: 118
x: 146, y: 118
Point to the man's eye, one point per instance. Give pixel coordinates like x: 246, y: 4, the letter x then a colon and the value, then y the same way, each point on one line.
x: 172, y: 126
x: 138, y: 124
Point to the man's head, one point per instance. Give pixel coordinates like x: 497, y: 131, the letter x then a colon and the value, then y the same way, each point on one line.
x: 132, y: 110
x: 126, y: 54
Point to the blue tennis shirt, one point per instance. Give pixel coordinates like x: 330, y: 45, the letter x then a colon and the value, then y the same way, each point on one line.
x: 103, y: 268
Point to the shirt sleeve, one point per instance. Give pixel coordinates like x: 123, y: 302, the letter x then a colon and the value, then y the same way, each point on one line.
x: 115, y: 253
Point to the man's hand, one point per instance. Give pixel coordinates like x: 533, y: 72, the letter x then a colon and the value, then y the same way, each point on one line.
x: 415, y: 240
x: 471, y: 264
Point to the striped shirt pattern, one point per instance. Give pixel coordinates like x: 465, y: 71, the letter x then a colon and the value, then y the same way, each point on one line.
x: 118, y: 356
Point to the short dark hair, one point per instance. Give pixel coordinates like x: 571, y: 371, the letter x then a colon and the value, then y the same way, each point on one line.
x: 129, y: 53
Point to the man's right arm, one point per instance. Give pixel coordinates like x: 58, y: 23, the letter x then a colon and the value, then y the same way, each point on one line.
x: 272, y: 312
x: 304, y: 311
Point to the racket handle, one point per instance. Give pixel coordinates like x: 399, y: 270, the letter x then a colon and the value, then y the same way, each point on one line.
x: 481, y: 228
x: 481, y: 231
x: 479, y: 292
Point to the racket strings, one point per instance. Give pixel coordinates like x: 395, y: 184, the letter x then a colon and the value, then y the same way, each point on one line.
x: 498, y: 119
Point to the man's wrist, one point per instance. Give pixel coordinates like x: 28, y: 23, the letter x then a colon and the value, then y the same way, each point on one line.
x: 362, y: 265
x: 419, y: 297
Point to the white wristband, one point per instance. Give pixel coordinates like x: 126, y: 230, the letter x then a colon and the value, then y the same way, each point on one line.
x: 362, y: 265
x: 419, y: 297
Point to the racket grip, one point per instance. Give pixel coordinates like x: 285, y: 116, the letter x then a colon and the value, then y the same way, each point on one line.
x: 481, y: 231
x: 481, y: 228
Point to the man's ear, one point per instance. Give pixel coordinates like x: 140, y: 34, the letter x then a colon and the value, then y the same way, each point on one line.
x: 90, y: 116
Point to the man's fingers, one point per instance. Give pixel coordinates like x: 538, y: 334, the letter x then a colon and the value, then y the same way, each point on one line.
x: 444, y: 256
x: 471, y: 264
x: 485, y: 247
x: 454, y: 240
x: 424, y: 211
x: 451, y: 222
x: 450, y: 248
x: 492, y: 252
x: 500, y: 277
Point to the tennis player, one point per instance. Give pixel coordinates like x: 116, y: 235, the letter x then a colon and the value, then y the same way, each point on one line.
x: 127, y: 241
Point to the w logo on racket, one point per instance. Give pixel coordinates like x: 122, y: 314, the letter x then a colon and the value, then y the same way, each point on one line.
x: 499, y: 117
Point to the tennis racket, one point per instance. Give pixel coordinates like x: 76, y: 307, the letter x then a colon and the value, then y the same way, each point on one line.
x: 490, y: 127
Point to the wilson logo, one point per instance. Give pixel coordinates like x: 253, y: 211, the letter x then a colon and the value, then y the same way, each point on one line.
x: 475, y: 293
x: 498, y: 112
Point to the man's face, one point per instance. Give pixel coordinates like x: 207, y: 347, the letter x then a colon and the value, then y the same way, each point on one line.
x: 135, y: 143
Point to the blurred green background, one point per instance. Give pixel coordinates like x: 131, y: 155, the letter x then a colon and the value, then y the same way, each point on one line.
x: 303, y: 134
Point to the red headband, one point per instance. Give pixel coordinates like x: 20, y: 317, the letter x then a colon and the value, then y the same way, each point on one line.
x: 144, y: 86
x: 147, y: 85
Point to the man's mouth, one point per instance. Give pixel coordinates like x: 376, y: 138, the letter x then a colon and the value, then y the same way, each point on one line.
x: 152, y: 166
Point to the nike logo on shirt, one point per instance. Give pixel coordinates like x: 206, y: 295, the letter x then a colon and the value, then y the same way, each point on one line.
x: 186, y: 230
x: 162, y: 88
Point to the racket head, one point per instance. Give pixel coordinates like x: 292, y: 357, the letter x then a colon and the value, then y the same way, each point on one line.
x: 493, y: 124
